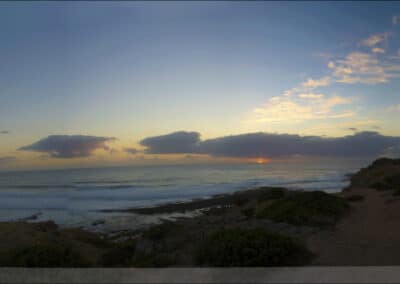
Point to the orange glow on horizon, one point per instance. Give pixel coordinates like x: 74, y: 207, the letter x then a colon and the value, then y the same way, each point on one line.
x: 261, y: 161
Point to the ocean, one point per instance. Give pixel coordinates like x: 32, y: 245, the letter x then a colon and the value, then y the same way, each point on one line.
x: 76, y: 197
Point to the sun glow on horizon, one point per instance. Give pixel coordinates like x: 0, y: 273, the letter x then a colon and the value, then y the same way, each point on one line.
x: 261, y: 161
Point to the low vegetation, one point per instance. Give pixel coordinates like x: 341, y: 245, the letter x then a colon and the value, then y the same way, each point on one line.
x: 272, y: 193
x: 314, y: 208
x: 163, y: 259
x: 241, y: 201
x: 381, y: 186
x: 119, y: 255
x: 248, y: 212
x: 43, y: 255
x: 251, y: 247
x: 158, y: 232
x: 355, y: 198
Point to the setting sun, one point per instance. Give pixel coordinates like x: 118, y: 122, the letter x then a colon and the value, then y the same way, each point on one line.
x: 262, y: 161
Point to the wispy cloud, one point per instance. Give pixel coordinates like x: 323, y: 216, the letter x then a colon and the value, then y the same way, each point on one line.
x: 378, y: 50
x: 4, y: 132
x: 375, y: 39
x: 361, y: 67
x: 395, y: 20
x: 311, y: 83
x: 286, y: 109
x: 311, y: 96
x: 69, y: 146
x: 304, y: 102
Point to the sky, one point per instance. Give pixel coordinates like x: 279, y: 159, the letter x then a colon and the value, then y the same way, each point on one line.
x: 120, y: 83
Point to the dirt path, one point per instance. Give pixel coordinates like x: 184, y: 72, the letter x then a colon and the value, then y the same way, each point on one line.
x: 369, y: 235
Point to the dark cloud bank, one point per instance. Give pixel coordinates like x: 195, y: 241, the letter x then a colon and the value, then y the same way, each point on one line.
x: 252, y: 145
x: 132, y: 151
x: 69, y: 146
x: 177, y: 142
x: 273, y: 145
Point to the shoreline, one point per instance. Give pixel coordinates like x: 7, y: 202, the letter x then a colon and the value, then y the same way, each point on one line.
x: 223, y: 199
x: 359, y: 225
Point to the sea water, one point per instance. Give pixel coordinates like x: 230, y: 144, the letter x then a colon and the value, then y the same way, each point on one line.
x: 77, y: 197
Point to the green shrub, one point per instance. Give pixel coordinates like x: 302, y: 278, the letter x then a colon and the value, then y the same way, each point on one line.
x: 43, y: 255
x: 253, y: 247
x: 248, y: 212
x: 355, y: 198
x: 315, y: 208
x: 273, y: 193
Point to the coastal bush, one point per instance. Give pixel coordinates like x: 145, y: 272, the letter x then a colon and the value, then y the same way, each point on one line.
x: 272, y: 193
x: 248, y: 212
x: 159, y: 232
x: 153, y: 260
x: 43, y: 255
x: 120, y: 255
x: 380, y: 186
x: 240, y: 201
x: 85, y: 237
x: 314, y: 208
x: 396, y: 192
x: 393, y: 180
x: 251, y: 247
x: 355, y: 198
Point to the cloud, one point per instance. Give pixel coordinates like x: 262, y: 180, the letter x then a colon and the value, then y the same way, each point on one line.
x: 361, y: 67
x: 352, y: 129
x: 286, y: 109
x: 276, y: 145
x: 253, y: 145
x: 177, y: 142
x: 69, y: 146
x: 395, y: 20
x: 311, y: 96
x: 378, y: 50
x: 4, y: 132
x: 310, y: 83
x: 375, y: 39
x: 132, y: 151
x: 394, y: 108
x: 7, y: 160
x: 110, y: 150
